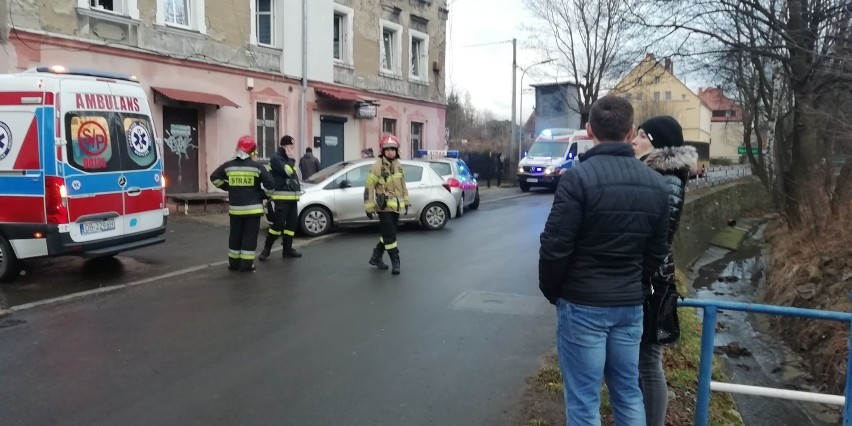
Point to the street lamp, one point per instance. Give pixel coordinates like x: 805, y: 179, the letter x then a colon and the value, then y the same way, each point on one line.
x: 523, y: 122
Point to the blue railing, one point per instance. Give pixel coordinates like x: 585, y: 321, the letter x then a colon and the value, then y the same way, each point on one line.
x: 708, y: 337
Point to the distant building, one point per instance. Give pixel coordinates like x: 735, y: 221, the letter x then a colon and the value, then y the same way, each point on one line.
x: 556, y: 106
x: 726, y: 124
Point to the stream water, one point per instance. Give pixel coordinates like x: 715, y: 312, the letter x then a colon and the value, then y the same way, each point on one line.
x: 754, y: 354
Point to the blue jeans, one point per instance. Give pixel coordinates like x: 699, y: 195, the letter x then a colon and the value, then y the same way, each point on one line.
x: 594, y: 344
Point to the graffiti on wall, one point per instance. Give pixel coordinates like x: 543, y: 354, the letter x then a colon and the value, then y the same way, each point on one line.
x: 179, y: 140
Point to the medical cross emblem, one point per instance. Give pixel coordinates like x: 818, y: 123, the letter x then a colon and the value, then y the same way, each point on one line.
x: 5, y: 140
x: 137, y: 137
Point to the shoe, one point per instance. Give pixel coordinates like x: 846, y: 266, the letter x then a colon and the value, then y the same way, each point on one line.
x: 289, y: 251
x: 247, y: 265
x: 233, y: 264
x: 267, y: 247
x: 376, y: 259
x: 394, y: 257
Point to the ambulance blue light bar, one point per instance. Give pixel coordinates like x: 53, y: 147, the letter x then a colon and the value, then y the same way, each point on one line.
x: 59, y: 69
x: 452, y: 153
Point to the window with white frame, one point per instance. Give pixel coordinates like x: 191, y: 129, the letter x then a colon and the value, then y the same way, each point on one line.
x: 418, y: 53
x: 118, y: 7
x: 264, y: 18
x: 186, y: 14
x: 391, y: 48
x: 342, y: 34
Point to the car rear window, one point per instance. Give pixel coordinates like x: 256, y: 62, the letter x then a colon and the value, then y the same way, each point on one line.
x: 99, y: 142
x: 443, y: 169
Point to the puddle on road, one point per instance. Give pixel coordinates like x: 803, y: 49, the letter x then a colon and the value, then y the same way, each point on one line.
x: 754, y: 354
x: 55, y: 277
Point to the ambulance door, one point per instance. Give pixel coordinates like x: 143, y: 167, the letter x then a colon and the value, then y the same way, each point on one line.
x: 92, y: 166
x: 141, y: 162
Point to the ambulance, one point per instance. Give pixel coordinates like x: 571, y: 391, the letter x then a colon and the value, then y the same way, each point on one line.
x: 81, y: 169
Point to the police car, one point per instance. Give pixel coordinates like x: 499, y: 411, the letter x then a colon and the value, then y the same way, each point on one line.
x: 81, y: 172
x: 458, y: 177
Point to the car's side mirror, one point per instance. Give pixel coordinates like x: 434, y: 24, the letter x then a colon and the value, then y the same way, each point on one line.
x: 344, y: 184
x: 476, y: 175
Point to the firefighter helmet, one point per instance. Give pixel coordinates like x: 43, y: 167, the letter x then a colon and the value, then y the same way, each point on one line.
x: 388, y: 141
x: 246, y: 144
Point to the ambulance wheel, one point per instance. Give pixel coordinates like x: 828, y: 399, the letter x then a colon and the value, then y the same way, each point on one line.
x: 525, y: 187
x: 10, y: 267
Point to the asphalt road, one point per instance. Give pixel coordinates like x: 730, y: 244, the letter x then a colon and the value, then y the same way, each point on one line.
x: 321, y: 340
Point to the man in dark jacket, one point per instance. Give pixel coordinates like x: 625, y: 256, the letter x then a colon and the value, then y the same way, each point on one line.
x: 308, y: 164
x: 608, y: 222
x: 244, y: 179
x: 284, y: 198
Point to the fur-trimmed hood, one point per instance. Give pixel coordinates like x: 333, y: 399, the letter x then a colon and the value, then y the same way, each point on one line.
x: 673, y: 158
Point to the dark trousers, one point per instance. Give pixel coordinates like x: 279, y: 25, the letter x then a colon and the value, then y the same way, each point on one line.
x: 388, y: 224
x: 243, y: 241
x: 284, y: 219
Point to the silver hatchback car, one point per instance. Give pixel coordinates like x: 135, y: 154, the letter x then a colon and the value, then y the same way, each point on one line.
x: 334, y: 196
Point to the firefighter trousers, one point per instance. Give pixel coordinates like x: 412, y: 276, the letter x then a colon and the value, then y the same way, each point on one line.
x: 243, y: 242
x: 388, y: 225
x: 284, y: 220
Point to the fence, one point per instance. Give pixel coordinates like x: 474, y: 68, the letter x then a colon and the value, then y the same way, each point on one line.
x: 705, y: 366
x: 718, y: 175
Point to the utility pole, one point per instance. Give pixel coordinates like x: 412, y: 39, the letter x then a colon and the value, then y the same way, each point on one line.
x: 515, y: 138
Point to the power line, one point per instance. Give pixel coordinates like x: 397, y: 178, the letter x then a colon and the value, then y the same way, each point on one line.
x: 489, y: 44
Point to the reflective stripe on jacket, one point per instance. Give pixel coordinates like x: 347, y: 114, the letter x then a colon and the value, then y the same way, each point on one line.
x: 244, y: 179
x: 386, y: 178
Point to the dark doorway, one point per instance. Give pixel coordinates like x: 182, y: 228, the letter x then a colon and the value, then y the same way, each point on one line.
x: 331, y: 136
x: 180, y: 146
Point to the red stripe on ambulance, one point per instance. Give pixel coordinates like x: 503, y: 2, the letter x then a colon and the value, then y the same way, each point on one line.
x: 93, y: 205
x: 17, y: 98
x: 28, y: 157
x: 148, y: 200
x: 18, y: 209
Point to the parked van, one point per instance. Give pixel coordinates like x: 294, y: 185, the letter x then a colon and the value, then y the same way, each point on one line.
x: 81, y: 171
x: 553, y: 152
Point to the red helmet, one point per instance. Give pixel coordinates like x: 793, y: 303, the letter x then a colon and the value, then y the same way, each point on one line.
x: 388, y: 141
x: 246, y: 144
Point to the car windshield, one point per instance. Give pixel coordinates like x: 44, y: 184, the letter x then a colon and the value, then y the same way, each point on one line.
x: 548, y: 149
x: 327, y: 172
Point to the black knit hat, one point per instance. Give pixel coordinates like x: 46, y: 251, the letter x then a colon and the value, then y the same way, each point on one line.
x: 287, y: 140
x: 663, y: 131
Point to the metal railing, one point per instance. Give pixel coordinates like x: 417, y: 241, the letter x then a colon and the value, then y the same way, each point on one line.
x: 705, y: 366
x: 717, y: 175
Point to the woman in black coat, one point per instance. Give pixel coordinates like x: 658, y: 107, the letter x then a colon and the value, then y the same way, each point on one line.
x: 659, y: 143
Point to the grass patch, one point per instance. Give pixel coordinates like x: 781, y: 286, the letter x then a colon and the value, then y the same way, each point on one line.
x: 543, y: 402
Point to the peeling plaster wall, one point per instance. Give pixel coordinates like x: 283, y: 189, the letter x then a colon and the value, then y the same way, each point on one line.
x: 225, y: 41
x: 367, y: 34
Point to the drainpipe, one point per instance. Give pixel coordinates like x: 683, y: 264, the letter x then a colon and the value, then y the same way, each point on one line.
x: 304, y: 101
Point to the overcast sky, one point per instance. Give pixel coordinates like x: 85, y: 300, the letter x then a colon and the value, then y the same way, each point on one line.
x: 486, y: 71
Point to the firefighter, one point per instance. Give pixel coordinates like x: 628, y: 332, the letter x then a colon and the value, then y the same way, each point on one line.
x: 385, y: 193
x: 285, y: 197
x: 242, y: 177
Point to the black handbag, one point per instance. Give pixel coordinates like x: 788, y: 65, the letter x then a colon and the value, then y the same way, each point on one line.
x: 661, y: 323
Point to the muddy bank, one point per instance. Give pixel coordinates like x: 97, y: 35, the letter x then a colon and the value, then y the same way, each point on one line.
x: 753, y: 352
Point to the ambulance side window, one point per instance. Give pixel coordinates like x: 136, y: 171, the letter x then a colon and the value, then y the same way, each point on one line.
x: 91, y: 142
x: 136, y: 139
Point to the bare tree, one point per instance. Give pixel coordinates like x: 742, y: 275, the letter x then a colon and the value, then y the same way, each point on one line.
x: 590, y: 39
x: 786, y: 59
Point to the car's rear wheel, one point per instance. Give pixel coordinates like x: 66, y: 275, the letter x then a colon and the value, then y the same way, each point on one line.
x: 525, y: 187
x: 435, y: 216
x: 315, y: 221
x: 460, y: 209
x: 475, y: 204
x: 10, y: 267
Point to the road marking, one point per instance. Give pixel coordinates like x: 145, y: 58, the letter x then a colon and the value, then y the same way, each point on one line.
x: 109, y: 289
x: 506, y: 198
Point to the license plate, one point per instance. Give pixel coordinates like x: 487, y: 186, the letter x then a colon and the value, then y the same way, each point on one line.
x: 95, y: 227
x: 532, y: 180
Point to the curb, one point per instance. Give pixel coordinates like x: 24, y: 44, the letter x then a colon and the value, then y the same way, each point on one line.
x: 110, y: 289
